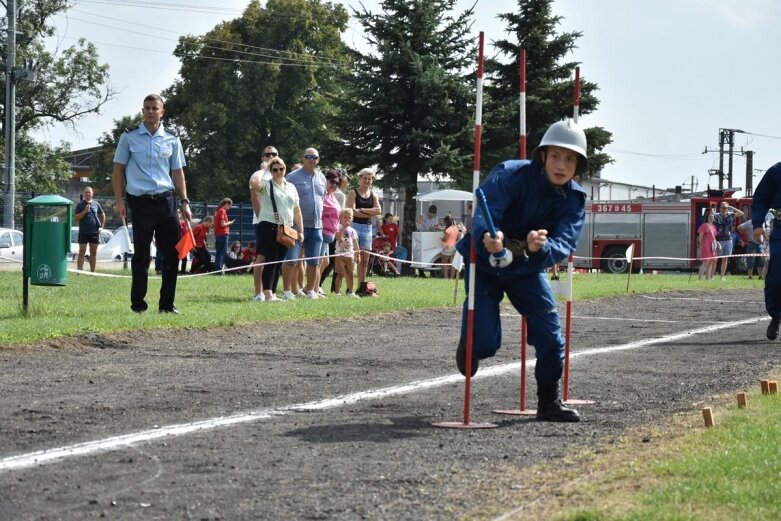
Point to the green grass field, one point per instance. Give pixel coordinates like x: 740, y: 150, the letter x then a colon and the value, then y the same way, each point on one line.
x: 725, y: 473
x: 101, y: 304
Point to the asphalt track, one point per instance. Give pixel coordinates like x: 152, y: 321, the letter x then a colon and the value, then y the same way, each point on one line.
x: 332, y: 420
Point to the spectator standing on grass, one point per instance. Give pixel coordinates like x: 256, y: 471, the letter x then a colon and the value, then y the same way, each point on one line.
x: 538, y: 210
x: 148, y: 167
x: 91, y: 219
x: 222, y: 228
x: 449, y: 238
x: 767, y: 198
x: 725, y: 221
x: 332, y: 210
x: 754, y: 249
x: 200, y: 252
x: 269, y: 251
x: 706, y: 239
x: 347, y: 248
x: 261, y: 173
x: 365, y: 206
x: 310, y: 184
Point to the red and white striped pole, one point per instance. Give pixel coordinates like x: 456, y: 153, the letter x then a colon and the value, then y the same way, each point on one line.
x: 576, y: 99
x: 522, y: 102
x: 522, y: 111
x: 470, y: 314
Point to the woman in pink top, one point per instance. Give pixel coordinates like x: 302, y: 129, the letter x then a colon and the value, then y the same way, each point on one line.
x: 706, y: 235
x: 331, y: 211
x: 449, y: 239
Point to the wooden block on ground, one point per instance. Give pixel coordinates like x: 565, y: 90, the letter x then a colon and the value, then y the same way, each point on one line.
x: 773, y: 387
x: 707, y: 416
x: 765, y: 386
x: 741, y: 400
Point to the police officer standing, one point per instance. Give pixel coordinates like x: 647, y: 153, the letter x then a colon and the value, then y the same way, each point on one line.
x: 767, y: 197
x: 538, y: 210
x: 148, y: 167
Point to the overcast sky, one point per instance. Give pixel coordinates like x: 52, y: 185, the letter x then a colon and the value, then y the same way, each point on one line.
x: 671, y: 73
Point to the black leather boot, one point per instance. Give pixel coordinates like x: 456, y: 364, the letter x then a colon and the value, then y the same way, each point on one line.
x: 461, y: 359
x: 549, y: 407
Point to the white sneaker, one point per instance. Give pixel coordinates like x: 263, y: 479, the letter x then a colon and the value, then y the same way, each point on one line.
x: 353, y: 295
x: 300, y: 293
x: 722, y: 277
x: 288, y: 295
x: 312, y: 295
x: 320, y: 293
x: 337, y: 294
x: 260, y: 297
x: 273, y: 298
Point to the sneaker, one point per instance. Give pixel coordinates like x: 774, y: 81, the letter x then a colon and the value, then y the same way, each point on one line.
x: 461, y: 359
x: 722, y: 278
x: 312, y: 295
x: 260, y: 297
x: 352, y: 295
x: 288, y: 295
x: 300, y: 293
x: 772, y: 328
x: 273, y: 298
x: 320, y: 293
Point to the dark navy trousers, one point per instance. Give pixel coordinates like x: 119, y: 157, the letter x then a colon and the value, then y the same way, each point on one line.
x: 532, y: 297
x: 154, y: 218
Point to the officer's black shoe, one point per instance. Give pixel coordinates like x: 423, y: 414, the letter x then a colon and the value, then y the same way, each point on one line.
x: 461, y: 359
x: 772, y: 328
x: 139, y: 308
x: 172, y: 310
x: 550, y: 408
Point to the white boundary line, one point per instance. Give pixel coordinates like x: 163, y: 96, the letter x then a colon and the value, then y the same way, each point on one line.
x: 32, y: 459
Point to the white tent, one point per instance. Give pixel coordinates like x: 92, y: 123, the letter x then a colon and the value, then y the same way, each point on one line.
x: 445, y: 195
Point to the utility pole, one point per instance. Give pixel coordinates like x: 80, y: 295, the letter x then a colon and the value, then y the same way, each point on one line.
x: 12, y: 74
x: 10, y: 117
x: 749, y: 173
x: 721, y: 158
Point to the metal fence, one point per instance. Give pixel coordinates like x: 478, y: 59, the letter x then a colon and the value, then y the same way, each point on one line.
x: 242, y: 230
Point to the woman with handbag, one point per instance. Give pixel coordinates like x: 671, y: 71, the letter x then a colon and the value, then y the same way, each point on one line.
x: 708, y: 246
x: 279, y: 211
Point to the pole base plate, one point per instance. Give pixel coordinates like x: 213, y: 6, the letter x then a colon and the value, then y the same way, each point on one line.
x: 462, y: 425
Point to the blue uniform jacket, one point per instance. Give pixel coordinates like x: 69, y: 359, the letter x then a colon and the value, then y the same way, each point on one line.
x: 766, y: 196
x: 521, y: 199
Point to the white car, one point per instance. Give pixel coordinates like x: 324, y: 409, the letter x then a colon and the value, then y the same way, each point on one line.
x: 11, y: 245
x: 105, y: 237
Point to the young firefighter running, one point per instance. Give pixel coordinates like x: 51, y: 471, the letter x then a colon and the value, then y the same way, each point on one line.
x: 538, y: 211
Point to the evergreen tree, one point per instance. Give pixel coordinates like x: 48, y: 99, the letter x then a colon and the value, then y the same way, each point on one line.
x: 265, y: 78
x: 407, y: 108
x: 549, y: 85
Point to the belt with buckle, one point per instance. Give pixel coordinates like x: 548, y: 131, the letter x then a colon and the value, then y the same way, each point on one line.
x: 153, y: 196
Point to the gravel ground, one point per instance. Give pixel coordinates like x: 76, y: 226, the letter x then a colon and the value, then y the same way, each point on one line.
x: 344, y: 455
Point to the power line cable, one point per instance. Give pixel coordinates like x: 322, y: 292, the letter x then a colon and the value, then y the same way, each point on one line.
x: 268, y: 52
x: 676, y: 157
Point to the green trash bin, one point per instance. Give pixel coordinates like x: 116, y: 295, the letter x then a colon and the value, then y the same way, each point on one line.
x: 47, y: 240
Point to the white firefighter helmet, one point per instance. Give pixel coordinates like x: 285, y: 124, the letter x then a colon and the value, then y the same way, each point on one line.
x: 565, y: 134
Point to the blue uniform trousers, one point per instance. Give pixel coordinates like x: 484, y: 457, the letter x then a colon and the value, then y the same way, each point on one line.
x: 773, y: 280
x: 532, y: 297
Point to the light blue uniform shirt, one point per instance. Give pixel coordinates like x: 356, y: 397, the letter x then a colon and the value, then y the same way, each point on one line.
x: 149, y: 160
x: 311, y: 190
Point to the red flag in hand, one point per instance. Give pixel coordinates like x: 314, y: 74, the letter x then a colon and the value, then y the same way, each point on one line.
x: 186, y: 243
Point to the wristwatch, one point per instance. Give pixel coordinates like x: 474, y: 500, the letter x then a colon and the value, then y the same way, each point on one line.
x: 184, y: 200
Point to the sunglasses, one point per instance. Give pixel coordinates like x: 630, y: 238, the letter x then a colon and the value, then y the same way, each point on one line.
x: 280, y: 169
x: 270, y: 154
x: 311, y: 157
x: 334, y: 182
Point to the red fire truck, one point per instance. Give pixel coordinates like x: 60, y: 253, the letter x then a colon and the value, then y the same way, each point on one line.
x: 666, y: 231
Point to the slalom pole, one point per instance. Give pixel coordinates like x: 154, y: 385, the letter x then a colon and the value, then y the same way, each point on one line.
x: 522, y: 104
x: 522, y: 411
x: 576, y: 97
x: 568, y: 336
x: 470, y: 314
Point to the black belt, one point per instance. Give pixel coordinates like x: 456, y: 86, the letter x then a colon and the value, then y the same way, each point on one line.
x: 163, y: 195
